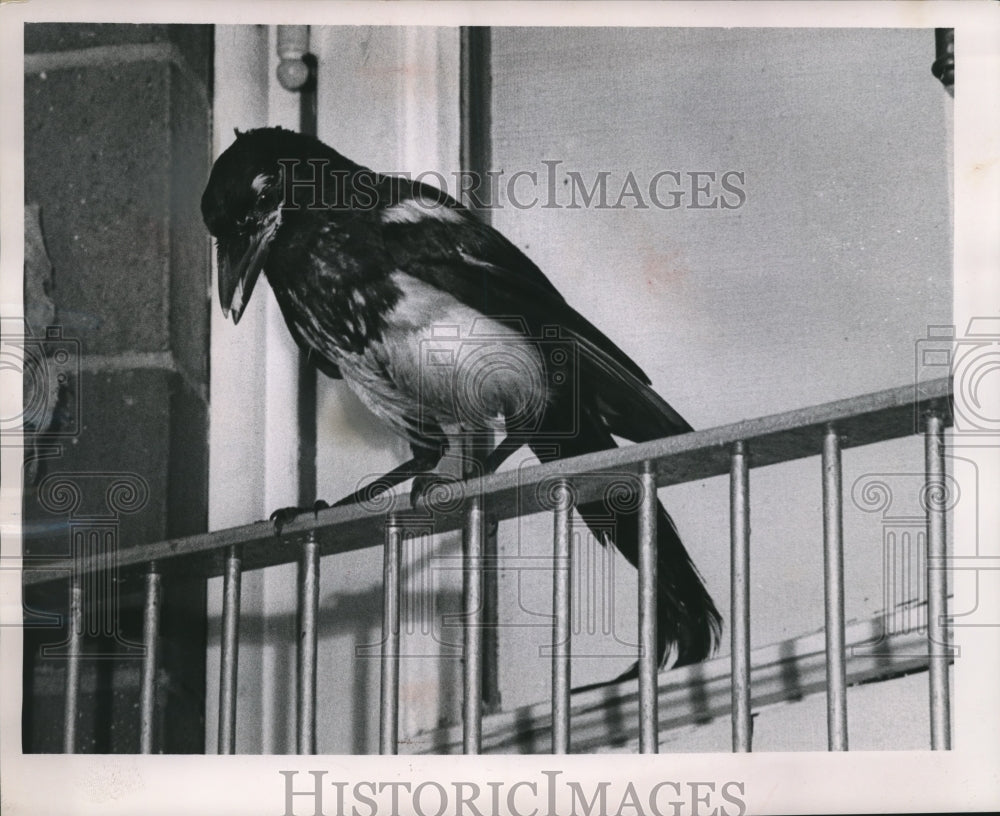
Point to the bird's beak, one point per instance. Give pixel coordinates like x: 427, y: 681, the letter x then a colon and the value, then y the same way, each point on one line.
x: 240, y: 264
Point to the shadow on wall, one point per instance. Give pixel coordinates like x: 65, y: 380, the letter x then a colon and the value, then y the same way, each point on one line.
x: 350, y: 627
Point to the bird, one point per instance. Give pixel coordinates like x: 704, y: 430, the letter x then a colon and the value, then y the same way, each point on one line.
x: 441, y: 325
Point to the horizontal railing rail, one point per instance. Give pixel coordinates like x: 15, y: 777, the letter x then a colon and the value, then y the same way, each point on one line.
x: 769, y: 440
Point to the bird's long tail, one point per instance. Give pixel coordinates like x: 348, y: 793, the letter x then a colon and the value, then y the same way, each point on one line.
x: 688, y: 624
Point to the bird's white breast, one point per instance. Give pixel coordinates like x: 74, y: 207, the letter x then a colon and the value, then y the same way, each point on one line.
x: 441, y: 362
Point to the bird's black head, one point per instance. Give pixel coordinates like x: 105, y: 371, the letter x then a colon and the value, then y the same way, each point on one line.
x: 243, y: 202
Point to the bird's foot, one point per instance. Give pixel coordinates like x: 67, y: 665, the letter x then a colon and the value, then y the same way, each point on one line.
x: 283, y: 515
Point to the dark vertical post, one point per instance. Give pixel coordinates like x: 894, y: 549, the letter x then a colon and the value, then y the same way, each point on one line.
x: 475, y: 105
x: 230, y: 650
x: 937, y: 584
x: 474, y: 161
x: 491, y: 616
x: 833, y: 582
x: 151, y: 634
x: 297, y: 73
x: 306, y: 405
x: 944, y: 63
x: 649, y: 714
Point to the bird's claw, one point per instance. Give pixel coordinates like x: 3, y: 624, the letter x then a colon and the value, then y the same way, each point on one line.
x: 283, y: 515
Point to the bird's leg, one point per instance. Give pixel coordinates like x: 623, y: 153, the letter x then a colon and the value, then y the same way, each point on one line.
x: 500, y: 454
x: 424, y: 459
x: 422, y: 485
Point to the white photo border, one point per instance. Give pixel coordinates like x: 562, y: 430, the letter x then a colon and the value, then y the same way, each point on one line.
x: 965, y: 778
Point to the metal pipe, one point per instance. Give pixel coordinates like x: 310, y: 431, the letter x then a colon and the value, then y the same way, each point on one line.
x: 739, y: 530
x: 308, y: 614
x: 150, y: 637
x: 561, y: 604
x: 943, y: 66
x: 937, y: 584
x: 230, y: 650
x: 75, y: 625
x: 474, y: 451
x: 297, y: 72
x: 472, y: 609
x: 649, y: 715
x: 389, y: 700
x: 475, y: 112
x: 491, y: 625
x: 833, y: 583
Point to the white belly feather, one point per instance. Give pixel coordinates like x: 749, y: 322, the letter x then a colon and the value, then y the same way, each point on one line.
x: 441, y: 364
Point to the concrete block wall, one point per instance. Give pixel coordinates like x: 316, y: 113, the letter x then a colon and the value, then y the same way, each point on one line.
x: 117, y: 151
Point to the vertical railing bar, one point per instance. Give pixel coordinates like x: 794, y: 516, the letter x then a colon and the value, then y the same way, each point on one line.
x: 561, y: 606
x: 150, y: 637
x: 937, y: 584
x: 491, y: 626
x: 649, y: 714
x: 474, y: 448
x: 833, y: 583
x: 231, y: 586
x: 472, y: 614
x: 308, y: 603
x: 739, y: 526
x: 389, y: 699
x: 75, y: 624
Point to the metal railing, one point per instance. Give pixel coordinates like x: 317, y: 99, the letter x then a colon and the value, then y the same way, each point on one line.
x: 824, y: 430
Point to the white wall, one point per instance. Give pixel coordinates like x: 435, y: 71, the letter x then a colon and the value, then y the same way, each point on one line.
x: 816, y: 289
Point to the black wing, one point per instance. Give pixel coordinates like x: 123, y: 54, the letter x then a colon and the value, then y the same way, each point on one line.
x: 473, y: 262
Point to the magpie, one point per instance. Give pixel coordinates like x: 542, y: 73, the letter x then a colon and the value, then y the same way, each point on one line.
x: 441, y: 325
